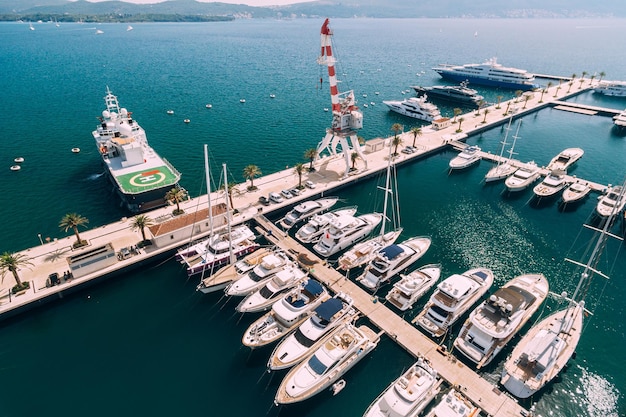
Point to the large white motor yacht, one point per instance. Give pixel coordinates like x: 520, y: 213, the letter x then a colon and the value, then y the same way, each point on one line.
x: 305, y: 210
x: 496, y: 320
x: 612, y: 202
x: 458, y: 93
x: 413, y: 286
x: 364, y: 252
x: 611, y: 88
x: 551, y: 184
x: 216, y: 250
x: 263, y: 298
x: 286, y: 314
x: 391, y: 260
x: 415, y: 107
x: 330, y: 314
x: 313, y: 229
x: 565, y: 159
x: 523, y: 177
x: 468, y: 157
x: 408, y: 395
x: 345, y: 231
x: 338, y: 353
x: 454, y: 404
x: 260, y: 274
x: 453, y: 297
x: 489, y: 73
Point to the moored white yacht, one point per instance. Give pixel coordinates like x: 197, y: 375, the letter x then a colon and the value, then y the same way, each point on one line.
x: 217, y: 249
x: 489, y: 73
x: 612, y: 202
x: 547, y: 347
x: 496, y: 320
x: 504, y: 167
x: 458, y: 93
x: 365, y: 251
x: 619, y: 121
x: 415, y: 107
x: 338, y: 353
x: 308, y: 336
x: 313, y: 229
x: 565, y: 159
x: 611, y: 88
x: 551, y: 184
x: 264, y: 297
x: 286, y: 314
x: 408, y: 395
x: 223, y: 277
x: 468, y: 157
x: 453, y: 297
x: 525, y: 175
x: 454, y: 404
x: 260, y: 274
x: 413, y: 286
x: 305, y: 210
x: 344, y: 231
x: 392, y: 259
x: 575, y: 192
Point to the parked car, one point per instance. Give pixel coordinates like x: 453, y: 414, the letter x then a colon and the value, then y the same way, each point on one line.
x: 264, y: 200
x: 294, y: 192
x: 275, y: 197
x: 286, y: 194
x: 309, y: 184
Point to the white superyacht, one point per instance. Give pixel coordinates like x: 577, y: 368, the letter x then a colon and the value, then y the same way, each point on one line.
x: 344, y: 231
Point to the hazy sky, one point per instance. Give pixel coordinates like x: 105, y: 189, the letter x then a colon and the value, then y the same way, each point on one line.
x: 248, y: 2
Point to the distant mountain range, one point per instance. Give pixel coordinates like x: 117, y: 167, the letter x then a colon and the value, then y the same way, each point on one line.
x: 327, y: 8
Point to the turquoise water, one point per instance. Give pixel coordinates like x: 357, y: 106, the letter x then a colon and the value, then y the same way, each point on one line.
x: 146, y: 343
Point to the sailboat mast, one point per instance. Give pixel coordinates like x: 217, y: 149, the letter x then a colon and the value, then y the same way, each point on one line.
x: 515, y: 137
x: 506, y: 135
x: 208, y: 186
x: 230, y: 245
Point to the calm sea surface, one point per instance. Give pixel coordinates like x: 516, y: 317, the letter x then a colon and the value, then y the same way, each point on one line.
x: 147, y: 343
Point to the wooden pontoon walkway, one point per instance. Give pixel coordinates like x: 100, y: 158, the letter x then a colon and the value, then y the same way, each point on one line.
x: 485, y: 395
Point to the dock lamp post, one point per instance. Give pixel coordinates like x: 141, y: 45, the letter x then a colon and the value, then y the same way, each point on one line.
x: 40, y: 239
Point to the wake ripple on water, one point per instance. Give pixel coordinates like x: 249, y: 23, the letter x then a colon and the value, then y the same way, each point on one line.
x: 94, y: 177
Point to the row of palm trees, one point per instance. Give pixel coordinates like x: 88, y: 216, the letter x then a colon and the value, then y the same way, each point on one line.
x: 13, y: 262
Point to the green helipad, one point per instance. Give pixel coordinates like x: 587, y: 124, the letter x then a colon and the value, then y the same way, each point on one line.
x: 146, y: 180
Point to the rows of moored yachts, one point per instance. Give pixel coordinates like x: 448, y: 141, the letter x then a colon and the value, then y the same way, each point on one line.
x: 316, y: 334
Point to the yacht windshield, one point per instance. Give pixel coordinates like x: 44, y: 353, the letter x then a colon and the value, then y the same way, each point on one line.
x: 317, y: 366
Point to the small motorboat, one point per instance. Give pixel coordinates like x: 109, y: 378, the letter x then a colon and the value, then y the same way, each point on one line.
x: 338, y: 386
x: 209, y: 106
x: 75, y: 150
x: 15, y: 167
x: 186, y: 120
x: 243, y: 100
x: 170, y: 112
x: 468, y: 157
x: 575, y: 192
x: 272, y: 96
x: 18, y: 160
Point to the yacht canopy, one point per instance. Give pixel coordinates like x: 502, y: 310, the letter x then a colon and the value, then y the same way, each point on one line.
x: 313, y: 287
x: 329, y: 308
x: 391, y: 251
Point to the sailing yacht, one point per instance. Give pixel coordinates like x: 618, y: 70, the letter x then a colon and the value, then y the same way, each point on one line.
x: 547, y: 347
x: 496, y: 320
x: 365, y: 251
x: 392, y: 259
x: 408, y: 395
x: 286, y: 314
x: 504, y: 168
x: 336, y: 355
x: 223, y: 277
x: 310, y: 334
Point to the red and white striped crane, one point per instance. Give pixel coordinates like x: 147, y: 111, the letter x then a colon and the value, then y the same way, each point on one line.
x: 347, y: 118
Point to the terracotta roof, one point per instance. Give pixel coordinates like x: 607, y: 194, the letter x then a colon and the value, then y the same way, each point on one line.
x: 186, y: 219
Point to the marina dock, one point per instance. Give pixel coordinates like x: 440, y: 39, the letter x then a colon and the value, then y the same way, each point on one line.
x: 329, y: 177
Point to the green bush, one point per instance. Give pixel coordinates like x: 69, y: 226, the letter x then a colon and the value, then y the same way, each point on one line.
x: 18, y: 288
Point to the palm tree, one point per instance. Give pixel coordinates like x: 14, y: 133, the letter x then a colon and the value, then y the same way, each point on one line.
x: 481, y: 103
x: 461, y: 120
x: 397, y: 141
x: 11, y: 262
x: 485, y: 112
x: 249, y: 173
x: 593, y: 76
x: 499, y: 100
x: 518, y: 94
x: 298, y: 169
x: 417, y: 131
x: 526, y: 99
x: 354, y: 156
x: 72, y: 221
x: 176, y: 195
x: 456, y: 111
x: 582, y: 79
x: 140, y: 222
x: 571, y: 82
x: 545, y: 90
x: 558, y: 87
x: 311, y: 154
x: 397, y: 128
x: 508, y: 104
x: 602, y: 74
x: 231, y: 186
